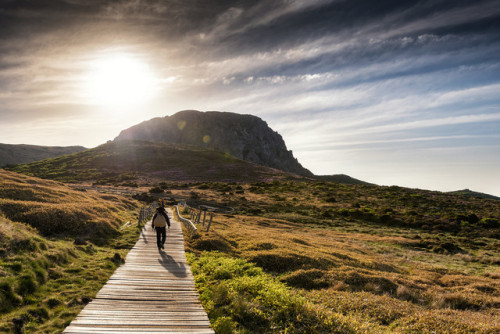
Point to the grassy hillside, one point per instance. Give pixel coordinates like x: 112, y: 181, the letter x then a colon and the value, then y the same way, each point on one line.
x: 469, y: 193
x: 325, y: 257
x: 57, y: 210
x: 21, y: 154
x: 340, y: 178
x: 58, y: 246
x: 129, y: 162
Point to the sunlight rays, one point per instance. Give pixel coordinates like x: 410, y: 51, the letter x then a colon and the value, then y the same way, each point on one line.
x: 119, y: 80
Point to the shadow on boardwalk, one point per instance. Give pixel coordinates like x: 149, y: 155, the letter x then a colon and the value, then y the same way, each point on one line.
x: 176, y: 268
x: 143, y: 235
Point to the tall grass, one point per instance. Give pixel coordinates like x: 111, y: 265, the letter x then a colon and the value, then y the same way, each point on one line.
x: 417, y: 271
x: 60, y: 251
x: 55, y: 209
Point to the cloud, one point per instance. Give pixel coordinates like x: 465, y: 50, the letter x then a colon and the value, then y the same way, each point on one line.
x: 355, y: 78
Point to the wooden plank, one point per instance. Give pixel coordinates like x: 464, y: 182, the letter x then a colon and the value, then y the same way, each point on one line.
x: 153, y: 292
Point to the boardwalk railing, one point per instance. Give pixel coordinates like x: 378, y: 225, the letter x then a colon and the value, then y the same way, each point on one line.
x: 187, y: 223
x: 196, y: 215
x: 147, y: 212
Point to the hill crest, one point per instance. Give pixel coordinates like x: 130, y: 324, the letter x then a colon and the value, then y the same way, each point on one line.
x: 11, y: 154
x: 143, y: 162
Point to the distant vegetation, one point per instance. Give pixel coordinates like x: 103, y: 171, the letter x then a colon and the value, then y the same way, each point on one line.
x: 340, y: 178
x: 469, y: 193
x: 58, y: 246
x: 21, y: 154
x: 132, y: 162
x: 325, y: 257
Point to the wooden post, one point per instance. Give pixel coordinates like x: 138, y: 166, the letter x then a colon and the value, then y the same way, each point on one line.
x: 210, y: 221
x: 204, y: 216
x: 199, y: 217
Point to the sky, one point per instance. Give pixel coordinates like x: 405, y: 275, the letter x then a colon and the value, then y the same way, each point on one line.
x: 391, y: 92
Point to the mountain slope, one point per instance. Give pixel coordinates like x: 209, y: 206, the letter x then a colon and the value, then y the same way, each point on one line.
x: 246, y: 137
x: 146, y: 162
x: 21, y: 154
x: 340, y: 178
x: 470, y: 193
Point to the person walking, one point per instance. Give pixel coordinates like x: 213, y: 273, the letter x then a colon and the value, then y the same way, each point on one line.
x: 160, y: 223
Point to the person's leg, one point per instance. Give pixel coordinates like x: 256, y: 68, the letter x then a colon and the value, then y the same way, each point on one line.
x: 163, y: 236
x: 158, y: 237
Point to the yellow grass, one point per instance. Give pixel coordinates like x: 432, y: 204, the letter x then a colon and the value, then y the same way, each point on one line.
x: 56, y: 209
x: 372, y: 274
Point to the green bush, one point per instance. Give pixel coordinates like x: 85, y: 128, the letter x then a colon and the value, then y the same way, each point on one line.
x: 307, y: 279
x: 27, y: 285
x: 53, y: 302
x: 41, y: 275
x: 224, y: 325
x: 252, y: 301
x: 8, y: 298
x: 156, y: 190
x: 490, y: 222
x: 16, y: 266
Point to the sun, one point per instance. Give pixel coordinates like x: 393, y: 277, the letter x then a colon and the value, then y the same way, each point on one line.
x: 119, y: 80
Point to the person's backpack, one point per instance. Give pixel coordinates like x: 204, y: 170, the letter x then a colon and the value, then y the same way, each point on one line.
x: 159, y: 220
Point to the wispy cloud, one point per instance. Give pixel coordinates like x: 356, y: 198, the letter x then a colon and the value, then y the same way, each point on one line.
x: 349, y: 84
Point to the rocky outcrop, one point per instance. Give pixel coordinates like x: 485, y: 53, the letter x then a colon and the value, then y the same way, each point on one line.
x: 246, y: 137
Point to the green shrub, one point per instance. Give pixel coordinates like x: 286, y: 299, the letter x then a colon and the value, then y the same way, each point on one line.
x: 8, y: 298
x: 307, y: 279
x: 156, y: 190
x: 27, y: 285
x: 224, y: 325
x: 41, y: 275
x: 281, y: 263
x: 16, y: 266
x: 254, y: 301
x: 53, y: 302
x: 39, y: 314
x: 212, y: 244
x: 490, y: 222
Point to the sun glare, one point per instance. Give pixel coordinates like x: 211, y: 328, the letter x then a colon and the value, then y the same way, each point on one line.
x: 120, y: 80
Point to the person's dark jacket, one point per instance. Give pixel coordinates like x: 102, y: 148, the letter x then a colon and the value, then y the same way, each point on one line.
x: 160, y: 211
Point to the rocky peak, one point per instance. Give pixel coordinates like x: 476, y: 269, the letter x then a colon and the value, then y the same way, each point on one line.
x: 246, y: 137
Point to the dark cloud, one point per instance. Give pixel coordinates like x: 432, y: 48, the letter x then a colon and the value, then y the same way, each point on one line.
x: 222, y: 28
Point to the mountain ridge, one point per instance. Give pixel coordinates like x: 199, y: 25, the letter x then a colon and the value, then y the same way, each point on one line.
x: 471, y: 193
x: 13, y: 154
x: 341, y: 178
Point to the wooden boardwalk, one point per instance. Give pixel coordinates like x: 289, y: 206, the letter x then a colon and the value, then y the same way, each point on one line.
x: 153, y: 292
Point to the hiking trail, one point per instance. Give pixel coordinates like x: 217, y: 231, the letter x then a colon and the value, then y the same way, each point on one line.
x: 152, y: 292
